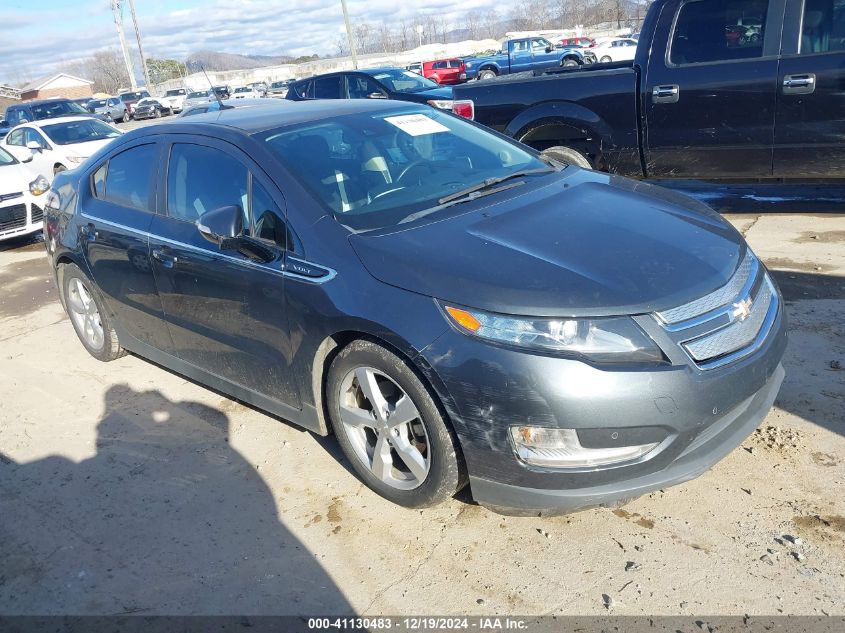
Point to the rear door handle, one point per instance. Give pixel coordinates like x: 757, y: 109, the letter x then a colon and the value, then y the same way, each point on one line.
x: 167, y: 260
x: 802, y: 84
x: 666, y: 94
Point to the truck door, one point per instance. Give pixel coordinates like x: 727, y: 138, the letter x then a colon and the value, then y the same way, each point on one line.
x: 709, y: 94
x: 809, y: 124
x: 544, y: 54
x: 519, y: 55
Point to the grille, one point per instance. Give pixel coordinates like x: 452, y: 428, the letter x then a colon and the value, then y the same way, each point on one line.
x: 746, y: 272
x: 13, y: 217
x: 37, y: 214
x: 737, y: 335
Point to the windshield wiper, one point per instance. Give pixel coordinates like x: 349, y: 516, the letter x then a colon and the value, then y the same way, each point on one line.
x: 489, y: 182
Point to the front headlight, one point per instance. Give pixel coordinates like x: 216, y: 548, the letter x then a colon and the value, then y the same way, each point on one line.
x: 76, y: 159
x: 603, y: 339
x: 443, y: 104
x: 39, y: 186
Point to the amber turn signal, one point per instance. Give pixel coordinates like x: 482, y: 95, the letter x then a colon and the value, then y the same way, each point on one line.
x: 464, y: 319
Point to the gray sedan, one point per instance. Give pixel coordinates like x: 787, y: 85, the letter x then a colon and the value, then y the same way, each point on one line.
x: 112, y: 108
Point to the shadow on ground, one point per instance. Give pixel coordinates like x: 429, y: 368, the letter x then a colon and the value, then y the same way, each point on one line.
x: 165, y: 518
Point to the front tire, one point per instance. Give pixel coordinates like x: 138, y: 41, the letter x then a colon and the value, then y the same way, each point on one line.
x: 606, y: 59
x: 569, y: 63
x: 90, y: 320
x: 390, y: 428
x: 57, y: 169
x: 158, y: 113
x: 487, y: 74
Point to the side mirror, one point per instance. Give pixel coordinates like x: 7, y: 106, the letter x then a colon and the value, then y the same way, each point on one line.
x: 376, y: 95
x: 548, y: 49
x: 222, y: 225
x: 35, y: 146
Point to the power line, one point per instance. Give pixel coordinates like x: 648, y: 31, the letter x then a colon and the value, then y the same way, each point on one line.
x: 117, y: 13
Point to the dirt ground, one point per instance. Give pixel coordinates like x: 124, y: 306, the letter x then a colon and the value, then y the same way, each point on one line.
x: 125, y: 488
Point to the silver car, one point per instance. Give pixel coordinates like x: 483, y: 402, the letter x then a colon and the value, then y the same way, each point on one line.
x: 196, y: 98
x: 112, y: 108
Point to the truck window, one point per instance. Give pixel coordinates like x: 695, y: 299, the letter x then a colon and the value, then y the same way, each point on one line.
x: 823, y: 27
x: 718, y: 30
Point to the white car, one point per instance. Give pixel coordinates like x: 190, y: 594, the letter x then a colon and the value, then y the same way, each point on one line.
x: 618, y: 49
x: 196, y: 98
x: 175, y: 99
x: 246, y: 92
x: 21, y: 190
x: 53, y: 145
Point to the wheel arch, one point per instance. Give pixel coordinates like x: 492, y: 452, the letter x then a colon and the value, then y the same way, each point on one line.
x: 562, y: 123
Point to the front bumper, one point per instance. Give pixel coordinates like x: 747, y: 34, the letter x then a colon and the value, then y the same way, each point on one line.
x: 20, y: 216
x: 701, y: 415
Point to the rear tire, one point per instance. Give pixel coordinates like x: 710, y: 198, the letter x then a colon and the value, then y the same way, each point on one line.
x: 413, y: 460
x: 567, y: 155
x: 158, y: 113
x: 90, y: 320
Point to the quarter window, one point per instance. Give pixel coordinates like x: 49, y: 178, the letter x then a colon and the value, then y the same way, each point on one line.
x: 129, y: 177
x: 718, y: 30
x: 823, y: 26
x: 269, y: 224
x: 201, y: 179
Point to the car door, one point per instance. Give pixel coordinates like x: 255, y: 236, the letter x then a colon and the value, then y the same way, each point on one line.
x: 47, y: 157
x: 709, y: 104
x: 809, y: 124
x: 39, y: 161
x: 541, y: 59
x: 520, y: 55
x: 359, y: 86
x: 225, y: 311
x: 117, y: 209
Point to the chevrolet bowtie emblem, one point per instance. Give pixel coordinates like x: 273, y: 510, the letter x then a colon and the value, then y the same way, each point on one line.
x: 742, y: 309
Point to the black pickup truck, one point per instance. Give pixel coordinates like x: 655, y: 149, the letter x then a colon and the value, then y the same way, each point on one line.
x: 725, y: 91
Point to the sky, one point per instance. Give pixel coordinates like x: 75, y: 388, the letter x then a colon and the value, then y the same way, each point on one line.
x: 36, y: 42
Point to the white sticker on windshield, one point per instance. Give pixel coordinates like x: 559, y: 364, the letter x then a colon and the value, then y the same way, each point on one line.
x: 416, y: 124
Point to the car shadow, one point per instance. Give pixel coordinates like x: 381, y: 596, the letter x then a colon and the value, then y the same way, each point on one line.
x: 165, y: 518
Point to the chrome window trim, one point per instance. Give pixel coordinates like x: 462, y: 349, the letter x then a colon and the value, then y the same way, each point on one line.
x: 330, y: 273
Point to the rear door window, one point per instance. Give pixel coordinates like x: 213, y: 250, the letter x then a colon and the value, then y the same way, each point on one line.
x: 823, y: 27
x: 327, y: 88
x: 130, y: 177
x: 718, y: 30
x: 16, y: 138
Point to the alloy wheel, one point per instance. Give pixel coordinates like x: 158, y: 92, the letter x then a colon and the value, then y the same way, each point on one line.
x: 385, y: 428
x: 84, y: 314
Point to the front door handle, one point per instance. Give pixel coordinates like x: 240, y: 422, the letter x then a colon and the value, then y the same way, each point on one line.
x: 666, y: 94
x: 167, y: 260
x: 803, y: 84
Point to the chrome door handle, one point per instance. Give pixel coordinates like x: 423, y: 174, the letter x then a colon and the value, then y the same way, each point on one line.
x: 802, y: 84
x: 666, y: 94
x: 166, y: 259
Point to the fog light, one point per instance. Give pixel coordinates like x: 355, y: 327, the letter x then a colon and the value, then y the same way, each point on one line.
x: 560, y: 448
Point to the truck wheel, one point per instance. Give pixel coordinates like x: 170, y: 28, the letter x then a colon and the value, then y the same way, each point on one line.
x: 606, y: 59
x: 487, y: 74
x: 569, y: 63
x: 567, y: 155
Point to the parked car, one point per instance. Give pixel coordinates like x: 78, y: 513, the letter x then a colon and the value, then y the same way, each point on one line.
x: 196, y: 98
x: 621, y: 49
x: 175, y: 98
x: 112, y: 108
x: 41, y: 109
x: 735, y: 35
x: 21, y: 197
x: 393, y: 244
x: 260, y: 87
x: 53, y: 145
x: 152, y: 108
x: 279, y: 89
x: 373, y: 83
x: 566, y: 42
x: 416, y: 67
x: 215, y: 106
x: 676, y: 114
x: 5, y: 128
x: 445, y: 71
x: 523, y: 54
x: 131, y: 98
x: 246, y: 92
x: 224, y: 92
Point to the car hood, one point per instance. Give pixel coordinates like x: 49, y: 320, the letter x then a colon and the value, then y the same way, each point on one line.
x: 16, y: 178
x: 88, y: 148
x: 574, y: 244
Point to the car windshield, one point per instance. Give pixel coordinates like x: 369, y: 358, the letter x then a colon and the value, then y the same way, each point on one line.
x: 148, y: 101
x: 97, y: 103
x: 6, y: 158
x: 73, y: 132
x: 131, y: 96
x: 174, y: 93
x: 376, y: 170
x: 403, y: 80
x: 243, y: 89
x: 197, y: 95
x: 56, y: 108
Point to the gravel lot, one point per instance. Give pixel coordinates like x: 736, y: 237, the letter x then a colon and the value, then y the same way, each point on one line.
x: 125, y: 488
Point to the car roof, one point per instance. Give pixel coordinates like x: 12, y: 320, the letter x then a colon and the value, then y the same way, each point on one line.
x: 259, y: 117
x: 39, y: 102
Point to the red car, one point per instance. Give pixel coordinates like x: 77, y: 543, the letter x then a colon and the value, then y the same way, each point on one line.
x: 445, y: 71
x: 583, y: 42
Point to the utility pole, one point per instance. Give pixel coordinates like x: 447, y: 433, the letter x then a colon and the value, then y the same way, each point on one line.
x: 349, y: 35
x: 117, y: 13
x: 140, y: 48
